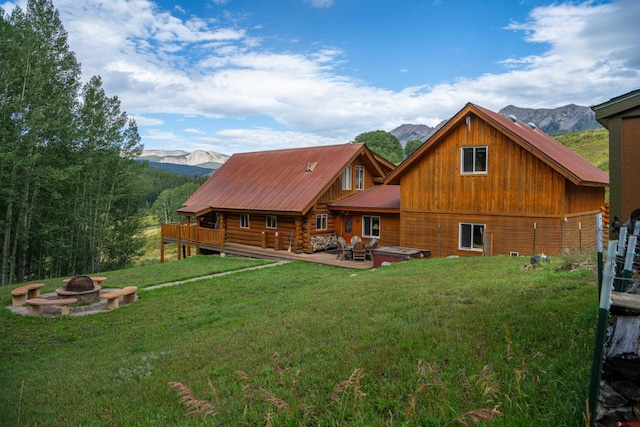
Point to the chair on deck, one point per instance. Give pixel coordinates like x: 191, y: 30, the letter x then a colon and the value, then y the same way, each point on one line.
x: 359, y: 251
x: 343, y: 251
x: 355, y: 239
x: 373, y: 244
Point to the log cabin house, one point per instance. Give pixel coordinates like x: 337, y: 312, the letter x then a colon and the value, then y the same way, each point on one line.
x: 489, y: 184
x: 279, y: 199
x: 482, y: 184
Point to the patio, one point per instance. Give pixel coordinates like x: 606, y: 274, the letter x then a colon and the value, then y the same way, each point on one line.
x: 327, y: 258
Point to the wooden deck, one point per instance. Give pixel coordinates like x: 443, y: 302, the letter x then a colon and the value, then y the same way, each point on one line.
x: 235, y: 249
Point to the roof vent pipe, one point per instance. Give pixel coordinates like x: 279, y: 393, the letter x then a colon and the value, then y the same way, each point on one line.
x: 512, y: 118
x: 532, y: 125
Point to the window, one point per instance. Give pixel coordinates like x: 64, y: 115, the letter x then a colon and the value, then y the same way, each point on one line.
x: 471, y: 236
x: 371, y: 226
x: 347, y: 224
x: 321, y: 222
x: 244, y: 220
x: 359, y: 177
x: 346, y: 178
x: 474, y: 160
x: 272, y: 221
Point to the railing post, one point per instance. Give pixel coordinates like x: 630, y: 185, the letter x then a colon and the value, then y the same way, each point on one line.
x: 621, y: 283
x: 601, y: 332
x: 179, y: 244
x: 223, y: 230
x: 162, y: 231
x: 189, y: 236
x: 197, y: 236
x: 600, y: 245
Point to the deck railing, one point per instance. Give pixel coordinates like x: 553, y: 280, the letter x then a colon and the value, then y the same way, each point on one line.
x: 190, y: 232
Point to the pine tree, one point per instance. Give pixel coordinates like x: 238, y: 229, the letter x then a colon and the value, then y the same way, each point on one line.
x: 37, y: 104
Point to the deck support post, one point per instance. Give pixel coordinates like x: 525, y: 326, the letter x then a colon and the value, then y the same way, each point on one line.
x: 179, y: 243
x: 223, y: 223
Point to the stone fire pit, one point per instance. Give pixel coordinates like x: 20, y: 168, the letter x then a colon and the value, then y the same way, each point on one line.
x: 84, y: 288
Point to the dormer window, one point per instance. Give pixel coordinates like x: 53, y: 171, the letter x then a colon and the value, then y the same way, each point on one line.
x: 346, y: 178
x: 310, y: 167
x: 359, y: 177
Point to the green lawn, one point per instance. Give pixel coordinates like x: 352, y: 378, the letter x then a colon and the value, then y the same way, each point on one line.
x: 421, y: 343
x: 592, y: 145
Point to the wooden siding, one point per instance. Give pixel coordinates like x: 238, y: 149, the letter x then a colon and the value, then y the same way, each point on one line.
x: 389, y: 229
x: 630, y: 161
x: 335, y: 191
x: 582, y: 199
x: 526, y: 235
x: 521, y: 200
x: 517, y: 182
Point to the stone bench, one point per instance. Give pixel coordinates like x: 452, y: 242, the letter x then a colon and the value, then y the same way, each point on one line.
x: 127, y: 293
x: 36, y: 305
x: 20, y: 295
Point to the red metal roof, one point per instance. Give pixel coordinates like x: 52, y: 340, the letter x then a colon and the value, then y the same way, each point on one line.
x: 563, y: 160
x: 278, y: 180
x: 376, y: 198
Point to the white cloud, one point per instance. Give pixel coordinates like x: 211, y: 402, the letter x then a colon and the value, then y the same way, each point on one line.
x: 319, y: 3
x: 158, y: 63
x: 146, y: 121
x: 160, y: 135
x: 196, y: 131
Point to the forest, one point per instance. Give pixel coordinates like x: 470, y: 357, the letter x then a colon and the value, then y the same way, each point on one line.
x: 72, y: 193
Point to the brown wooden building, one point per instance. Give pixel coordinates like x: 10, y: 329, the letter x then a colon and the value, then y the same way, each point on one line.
x: 372, y: 213
x: 276, y: 199
x: 485, y: 183
x: 621, y: 116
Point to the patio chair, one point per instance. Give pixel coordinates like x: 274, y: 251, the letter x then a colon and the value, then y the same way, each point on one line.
x: 359, y: 251
x: 373, y: 244
x: 355, y: 239
x: 343, y: 251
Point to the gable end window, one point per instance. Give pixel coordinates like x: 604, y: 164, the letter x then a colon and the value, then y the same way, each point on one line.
x: 471, y: 236
x: 346, y: 178
x: 359, y: 177
x: 272, y: 221
x: 473, y: 160
x: 244, y: 220
x: 321, y: 222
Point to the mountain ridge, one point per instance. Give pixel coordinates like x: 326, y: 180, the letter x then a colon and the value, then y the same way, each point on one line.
x: 198, y: 162
x: 552, y: 121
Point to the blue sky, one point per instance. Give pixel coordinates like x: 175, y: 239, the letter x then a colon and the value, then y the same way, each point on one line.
x: 244, y: 75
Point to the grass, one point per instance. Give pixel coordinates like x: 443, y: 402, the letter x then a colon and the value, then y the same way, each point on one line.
x: 423, y: 343
x: 154, y: 274
x: 592, y: 145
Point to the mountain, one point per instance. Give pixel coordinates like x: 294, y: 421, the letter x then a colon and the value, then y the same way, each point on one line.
x: 195, y: 163
x: 409, y: 132
x: 570, y: 118
x: 203, y: 159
